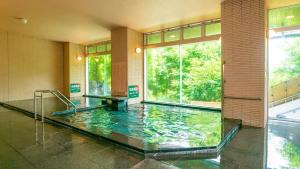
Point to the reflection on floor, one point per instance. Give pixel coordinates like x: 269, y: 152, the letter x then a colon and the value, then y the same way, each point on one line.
x: 284, y: 145
x: 58, y: 147
x: 287, y: 111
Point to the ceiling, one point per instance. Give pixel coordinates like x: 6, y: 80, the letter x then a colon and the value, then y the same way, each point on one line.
x: 91, y: 20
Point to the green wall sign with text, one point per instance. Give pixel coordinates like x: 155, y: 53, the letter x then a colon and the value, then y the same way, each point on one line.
x: 75, y: 88
x: 133, y: 91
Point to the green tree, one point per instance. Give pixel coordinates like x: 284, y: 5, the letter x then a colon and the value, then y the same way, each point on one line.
x: 99, y: 74
x: 290, y: 67
x: 201, y: 72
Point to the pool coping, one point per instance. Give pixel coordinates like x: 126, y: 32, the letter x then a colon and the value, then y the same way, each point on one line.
x: 195, y: 152
x: 184, y: 106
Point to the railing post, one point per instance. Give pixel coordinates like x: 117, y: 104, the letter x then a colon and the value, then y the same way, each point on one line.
x: 35, y: 113
x: 286, y: 82
x: 42, y: 107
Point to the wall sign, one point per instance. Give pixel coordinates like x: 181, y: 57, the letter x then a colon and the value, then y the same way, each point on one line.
x: 75, y: 88
x: 133, y: 91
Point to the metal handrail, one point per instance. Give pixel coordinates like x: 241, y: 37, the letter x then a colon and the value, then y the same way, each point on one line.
x: 66, y: 98
x: 57, y: 94
x: 284, y: 100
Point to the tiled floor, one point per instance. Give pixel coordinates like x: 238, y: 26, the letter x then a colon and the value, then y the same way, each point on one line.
x: 22, y: 148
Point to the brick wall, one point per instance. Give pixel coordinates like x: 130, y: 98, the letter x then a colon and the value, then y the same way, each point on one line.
x: 243, y: 52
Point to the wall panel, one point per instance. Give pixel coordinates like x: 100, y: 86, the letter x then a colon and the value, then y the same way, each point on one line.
x: 28, y: 64
x: 3, y: 66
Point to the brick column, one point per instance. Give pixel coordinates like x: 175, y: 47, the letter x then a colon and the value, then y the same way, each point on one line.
x: 243, y: 52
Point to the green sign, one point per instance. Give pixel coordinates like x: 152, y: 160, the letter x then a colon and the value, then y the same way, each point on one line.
x: 75, y: 87
x: 133, y: 91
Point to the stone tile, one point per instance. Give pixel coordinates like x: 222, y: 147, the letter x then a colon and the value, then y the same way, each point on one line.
x: 153, y: 164
x: 65, y: 149
x: 116, y: 157
x: 10, y: 158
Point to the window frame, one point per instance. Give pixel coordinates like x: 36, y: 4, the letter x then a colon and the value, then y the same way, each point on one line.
x: 180, y: 103
x: 181, y: 40
x: 97, y: 54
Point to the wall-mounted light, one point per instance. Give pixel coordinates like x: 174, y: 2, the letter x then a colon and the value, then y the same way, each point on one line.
x: 79, y: 58
x: 22, y: 20
x: 138, y: 50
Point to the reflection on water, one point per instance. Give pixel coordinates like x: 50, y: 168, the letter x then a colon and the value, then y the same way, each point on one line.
x: 292, y: 153
x: 284, y: 145
x: 163, y: 125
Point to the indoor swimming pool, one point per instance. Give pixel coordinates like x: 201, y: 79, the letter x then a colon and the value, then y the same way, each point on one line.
x: 155, y: 130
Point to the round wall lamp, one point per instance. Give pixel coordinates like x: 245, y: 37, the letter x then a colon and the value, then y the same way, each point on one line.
x: 138, y: 50
x: 79, y: 58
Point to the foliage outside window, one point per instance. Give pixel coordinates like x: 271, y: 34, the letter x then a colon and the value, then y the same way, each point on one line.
x: 173, y: 35
x: 213, y: 29
x: 192, y: 32
x: 190, y: 77
x: 154, y: 38
x: 284, y: 17
x: 163, y: 67
x: 284, y: 57
x: 201, y: 73
x: 99, y: 75
x: 101, y: 48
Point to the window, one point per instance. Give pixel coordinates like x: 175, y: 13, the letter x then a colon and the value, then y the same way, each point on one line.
x: 173, y: 35
x: 284, y: 17
x: 213, y: 29
x: 154, y: 38
x: 201, y: 73
x: 98, y: 69
x: 99, y: 75
x: 192, y: 32
x: 192, y: 76
x: 183, y: 34
x: 163, y: 74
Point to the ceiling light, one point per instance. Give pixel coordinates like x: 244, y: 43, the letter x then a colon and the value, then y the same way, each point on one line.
x: 172, y: 36
x: 290, y: 17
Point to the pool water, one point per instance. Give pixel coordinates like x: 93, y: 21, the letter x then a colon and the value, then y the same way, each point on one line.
x: 152, y: 126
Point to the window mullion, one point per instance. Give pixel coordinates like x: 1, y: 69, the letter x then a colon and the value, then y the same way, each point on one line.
x: 180, y: 74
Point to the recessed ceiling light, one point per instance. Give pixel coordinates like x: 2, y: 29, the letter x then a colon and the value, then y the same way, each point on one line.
x: 22, y: 20
x: 290, y: 17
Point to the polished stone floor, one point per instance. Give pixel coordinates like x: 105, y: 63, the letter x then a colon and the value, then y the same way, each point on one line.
x: 26, y: 144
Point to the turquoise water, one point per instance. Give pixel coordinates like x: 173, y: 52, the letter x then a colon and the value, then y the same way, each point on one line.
x: 162, y: 126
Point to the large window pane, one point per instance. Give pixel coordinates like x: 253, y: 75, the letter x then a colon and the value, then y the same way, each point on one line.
x: 154, y: 38
x: 201, y: 73
x: 192, y: 32
x: 283, y: 17
x: 284, y: 75
x: 213, y: 29
x: 163, y: 79
x: 99, y: 75
x: 173, y: 35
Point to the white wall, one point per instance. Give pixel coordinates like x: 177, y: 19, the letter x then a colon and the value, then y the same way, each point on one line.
x: 28, y: 64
